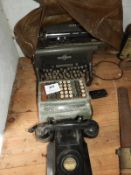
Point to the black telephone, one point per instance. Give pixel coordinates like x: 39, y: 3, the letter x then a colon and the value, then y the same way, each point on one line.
x: 67, y: 151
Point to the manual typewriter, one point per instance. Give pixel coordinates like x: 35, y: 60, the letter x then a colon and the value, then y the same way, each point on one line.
x: 65, y: 51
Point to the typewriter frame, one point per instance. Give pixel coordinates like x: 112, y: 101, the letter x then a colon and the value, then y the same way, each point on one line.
x: 66, y: 55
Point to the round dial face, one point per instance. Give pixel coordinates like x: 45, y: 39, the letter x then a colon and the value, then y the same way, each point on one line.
x: 70, y: 164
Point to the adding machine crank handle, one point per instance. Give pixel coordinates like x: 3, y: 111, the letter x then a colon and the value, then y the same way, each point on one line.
x: 124, y: 152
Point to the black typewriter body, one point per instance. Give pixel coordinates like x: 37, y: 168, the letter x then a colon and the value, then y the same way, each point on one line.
x: 65, y: 52
x: 68, y: 62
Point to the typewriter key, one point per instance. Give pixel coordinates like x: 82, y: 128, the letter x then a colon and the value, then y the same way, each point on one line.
x: 61, y: 96
x: 81, y: 84
x: 83, y: 91
x: 77, y: 64
x: 83, y: 94
x: 66, y: 96
x: 61, y: 92
x: 82, y: 87
x: 70, y: 95
x: 80, y: 81
x: 64, y: 87
x: 66, y: 92
x: 70, y: 92
x: 60, y: 82
x: 69, y: 88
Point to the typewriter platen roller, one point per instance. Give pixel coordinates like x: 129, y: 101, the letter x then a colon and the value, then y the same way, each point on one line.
x: 69, y: 32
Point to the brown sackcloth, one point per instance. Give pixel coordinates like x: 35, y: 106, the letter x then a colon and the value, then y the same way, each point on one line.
x: 102, y: 19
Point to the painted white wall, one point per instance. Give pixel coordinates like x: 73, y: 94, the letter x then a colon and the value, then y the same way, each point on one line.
x: 15, y: 10
x: 8, y: 63
x: 126, y: 12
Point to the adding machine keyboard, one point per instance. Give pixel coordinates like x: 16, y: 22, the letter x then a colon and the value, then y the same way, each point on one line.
x: 70, y: 98
x: 69, y: 89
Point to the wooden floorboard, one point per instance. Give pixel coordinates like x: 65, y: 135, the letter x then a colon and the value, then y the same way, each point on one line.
x: 24, y: 155
x: 38, y: 169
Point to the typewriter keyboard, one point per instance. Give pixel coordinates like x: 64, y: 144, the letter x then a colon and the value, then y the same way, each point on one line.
x: 66, y: 73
